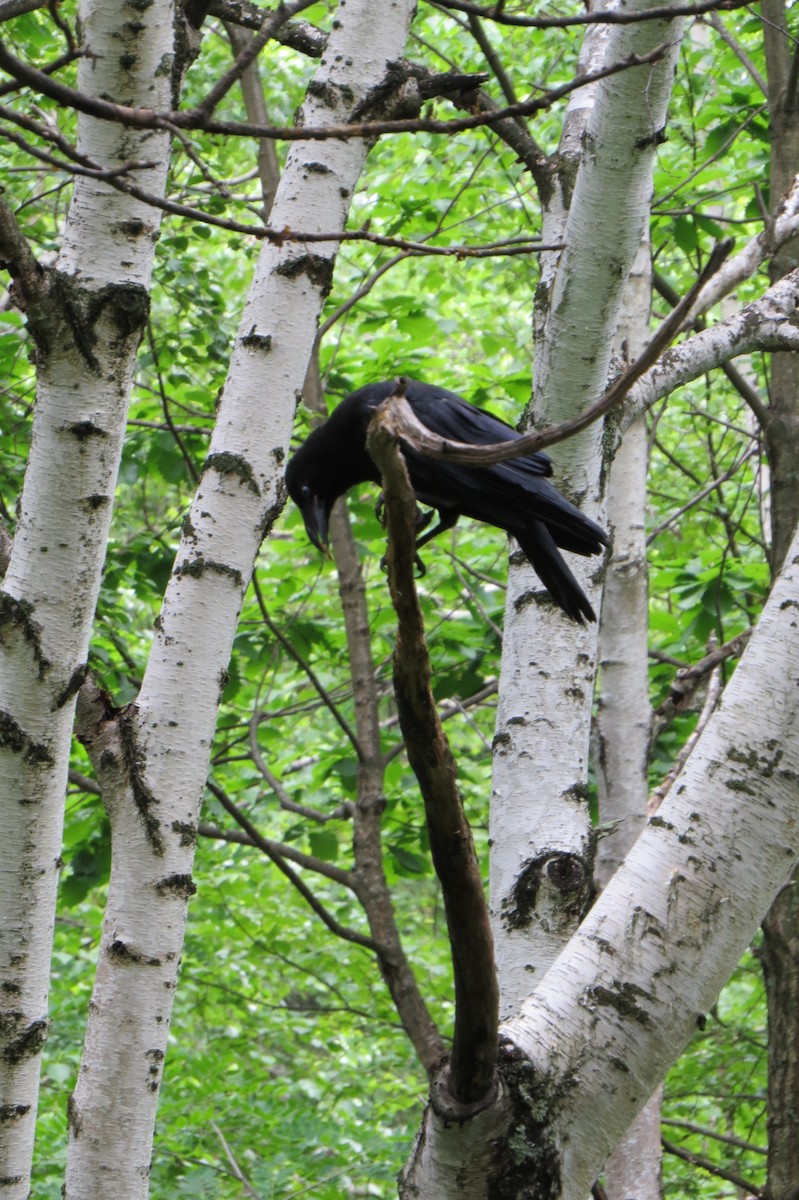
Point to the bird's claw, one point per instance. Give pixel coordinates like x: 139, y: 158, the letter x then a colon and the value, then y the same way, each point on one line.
x: 380, y: 511
x: 421, y: 569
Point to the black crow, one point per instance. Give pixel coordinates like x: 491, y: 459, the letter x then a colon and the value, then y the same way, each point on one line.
x: 515, y: 495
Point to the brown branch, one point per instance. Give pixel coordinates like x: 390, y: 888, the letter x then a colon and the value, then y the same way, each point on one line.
x: 343, y: 724
x: 474, y: 1050
x: 602, y: 17
x: 406, y: 426
x: 688, y: 679
x: 115, y: 177
x: 284, y: 799
x: 279, y: 859
x: 299, y: 35
x: 248, y: 53
x: 706, y: 1164
x: 310, y: 862
x: 16, y: 8
x: 30, y: 282
x: 373, y: 890
x: 727, y: 1138
x: 744, y: 388
x: 146, y: 118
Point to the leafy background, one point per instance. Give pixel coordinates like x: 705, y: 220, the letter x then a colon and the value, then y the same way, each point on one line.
x: 285, y: 1052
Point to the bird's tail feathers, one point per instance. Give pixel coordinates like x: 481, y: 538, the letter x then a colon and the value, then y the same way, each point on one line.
x: 550, y: 567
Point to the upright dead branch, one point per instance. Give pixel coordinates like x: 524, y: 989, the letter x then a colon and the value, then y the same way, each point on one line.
x: 474, y: 1051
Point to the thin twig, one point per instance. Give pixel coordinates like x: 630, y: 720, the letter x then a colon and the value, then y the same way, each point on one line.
x: 343, y: 724
x: 706, y: 1164
x: 406, y: 426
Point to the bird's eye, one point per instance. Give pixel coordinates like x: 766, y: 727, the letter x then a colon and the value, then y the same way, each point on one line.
x: 305, y: 491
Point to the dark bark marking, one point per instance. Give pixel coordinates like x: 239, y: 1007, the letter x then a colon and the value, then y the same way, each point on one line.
x: 624, y: 998
x: 26, y: 1044
x: 120, y: 952
x: 143, y: 798
x: 12, y: 735
x: 19, y: 614
x: 186, y: 832
x: 196, y: 568
x: 318, y: 269
x: 225, y: 463
x: 258, y: 341
x: 179, y: 885
x: 75, y: 683
x: 9, y: 1113
x: 74, y: 1118
x: 531, y: 1162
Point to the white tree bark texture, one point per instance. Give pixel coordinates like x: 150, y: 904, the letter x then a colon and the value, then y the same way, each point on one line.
x: 98, y: 296
x: 159, y: 762
x: 623, y: 718
x: 624, y: 997
x: 540, y: 828
x: 620, y: 1002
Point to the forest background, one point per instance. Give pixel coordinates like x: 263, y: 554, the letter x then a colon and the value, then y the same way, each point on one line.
x: 288, y: 1072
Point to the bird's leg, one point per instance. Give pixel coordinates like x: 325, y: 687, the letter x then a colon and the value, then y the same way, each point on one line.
x: 380, y: 509
x: 447, y: 519
x: 423, y: 518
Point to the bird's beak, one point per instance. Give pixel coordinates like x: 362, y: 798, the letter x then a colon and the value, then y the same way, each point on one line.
x: 315, y: 519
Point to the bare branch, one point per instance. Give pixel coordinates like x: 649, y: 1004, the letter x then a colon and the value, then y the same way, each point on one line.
x: 16, y: 8
x: 240, y: 837
x: 145, y: 118
x: 343, y: 724
x: 405, y: 425
x: 270, y: 24
x: 706, y: 1164
x: 769, y: 323
x: 602, y: 16
x: 699, y: 496
x: 474, y: 1050
x: 299, y: 35
x: 30, y: 281
x: 689, y: 678
x: 280, y: 860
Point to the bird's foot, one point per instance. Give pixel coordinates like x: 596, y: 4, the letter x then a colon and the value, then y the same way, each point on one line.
x: 421, y: 569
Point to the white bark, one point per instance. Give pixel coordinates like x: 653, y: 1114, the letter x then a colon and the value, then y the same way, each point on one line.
x: 766, y: 324
x: 649, y: 960
x: 539, y: 821
x: 161, y: 757
x: 623, y: 710
x: 51, y: 585
x: 623, y: 715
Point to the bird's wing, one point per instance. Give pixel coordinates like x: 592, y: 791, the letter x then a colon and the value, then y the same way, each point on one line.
x: 448, y: 415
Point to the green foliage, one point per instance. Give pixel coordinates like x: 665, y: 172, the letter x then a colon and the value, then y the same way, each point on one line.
x: 285, y: 1052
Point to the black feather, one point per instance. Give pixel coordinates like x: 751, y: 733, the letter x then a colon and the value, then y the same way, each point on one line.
x: 515, y: 496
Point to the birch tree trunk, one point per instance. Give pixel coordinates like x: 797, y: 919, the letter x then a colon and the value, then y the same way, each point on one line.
x: 86, y: 321
x: 623, y: 714
x: 152, y: 763
x: 540, y: 832
x: 649, y: 960
x: 541, y: 882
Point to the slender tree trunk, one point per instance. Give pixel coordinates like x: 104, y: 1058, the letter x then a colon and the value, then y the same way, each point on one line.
x: 541, y: 884
x: 87, y: 322
x: 623, y: 717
